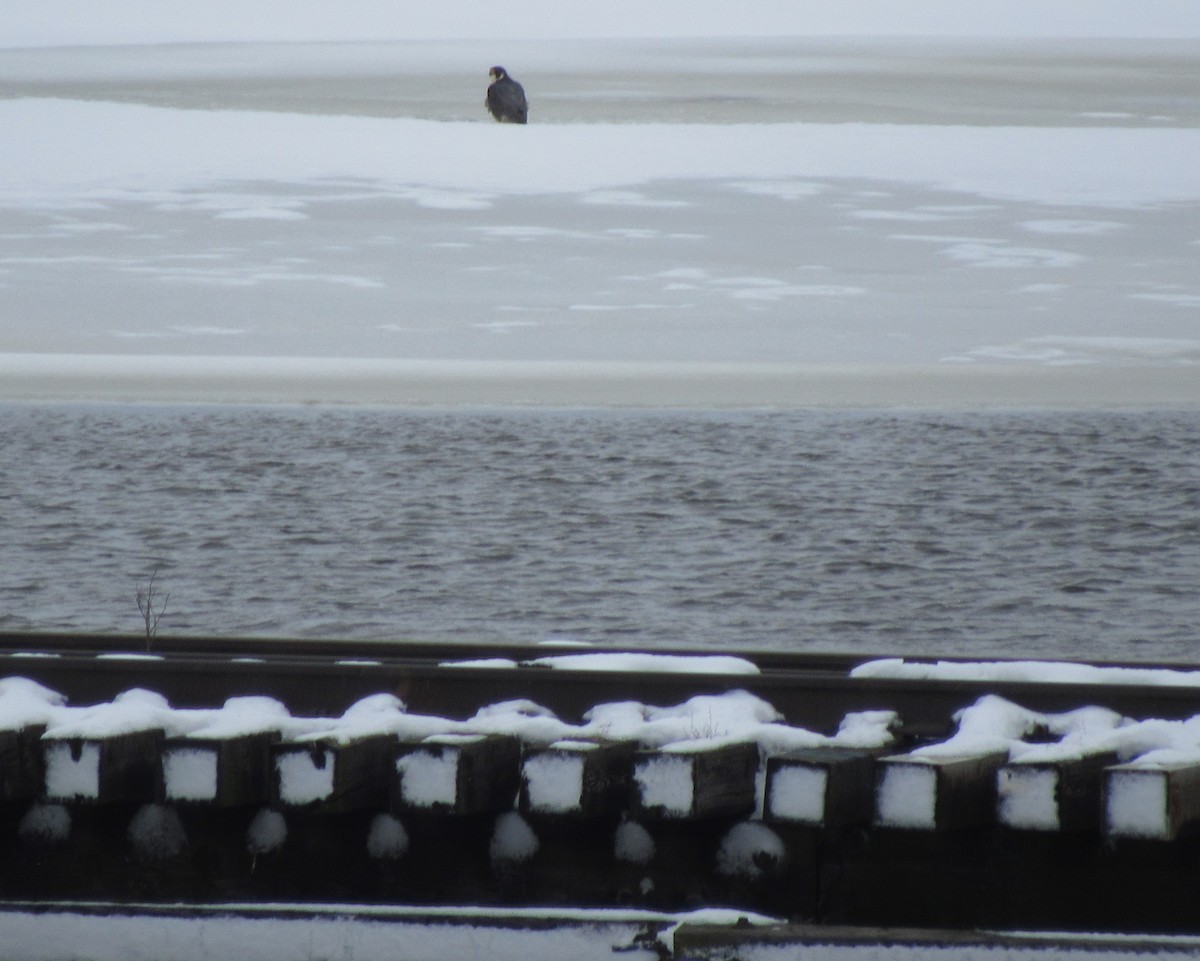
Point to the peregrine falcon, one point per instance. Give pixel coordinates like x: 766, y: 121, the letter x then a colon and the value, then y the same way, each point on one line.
x: 506, y: 98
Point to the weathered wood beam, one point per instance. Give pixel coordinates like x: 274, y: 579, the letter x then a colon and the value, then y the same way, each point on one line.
x: 702, y: 782
x: 936, y: 792
x: 1062, y: 795
x: 228, y: 772
x: 458, y: 774
x: 576, y: 779
x: 337, y: 775
x: 1153, y: 802
x: 821, y: 787
x: 102, y: 770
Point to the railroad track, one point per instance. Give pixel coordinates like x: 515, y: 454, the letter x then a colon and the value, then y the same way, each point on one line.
x: 430, y: 804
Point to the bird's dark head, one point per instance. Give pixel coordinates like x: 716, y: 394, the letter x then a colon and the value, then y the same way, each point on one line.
x: 497, y: 73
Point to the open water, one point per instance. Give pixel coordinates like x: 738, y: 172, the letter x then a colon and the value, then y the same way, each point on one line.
x: 1002, y: 533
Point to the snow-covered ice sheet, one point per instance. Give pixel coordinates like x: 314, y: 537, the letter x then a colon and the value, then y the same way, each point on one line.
x: 702, y: 186
x: 159, y: 154
x: 76, y: 22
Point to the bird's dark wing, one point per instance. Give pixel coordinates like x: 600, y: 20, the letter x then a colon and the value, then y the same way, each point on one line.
x: 506, y: 101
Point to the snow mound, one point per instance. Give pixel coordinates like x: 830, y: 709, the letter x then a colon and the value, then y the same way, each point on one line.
x: 45, y: 823
x: 513, y: 840
x: 750, y: 850
x: 156, y: 832
x: 1024, y: 672
x: 633, y: 844
x: 267, y: 832
x: 387, y: 840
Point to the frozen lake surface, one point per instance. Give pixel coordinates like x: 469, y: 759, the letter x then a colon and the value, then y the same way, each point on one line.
x: 940, y: 207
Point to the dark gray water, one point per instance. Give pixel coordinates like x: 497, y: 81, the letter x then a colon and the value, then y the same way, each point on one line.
x: 986, y: 534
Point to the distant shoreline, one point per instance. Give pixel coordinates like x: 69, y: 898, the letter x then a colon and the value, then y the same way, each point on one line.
x: 980, y: 81
x: 426, y: 383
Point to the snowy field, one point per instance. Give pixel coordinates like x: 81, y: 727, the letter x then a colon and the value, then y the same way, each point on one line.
x: 934, y: 204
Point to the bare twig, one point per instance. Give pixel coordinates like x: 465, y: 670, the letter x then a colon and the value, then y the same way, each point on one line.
x: 152, y: 606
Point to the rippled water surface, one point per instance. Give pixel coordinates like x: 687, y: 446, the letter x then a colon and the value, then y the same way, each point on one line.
x: 988, y: 534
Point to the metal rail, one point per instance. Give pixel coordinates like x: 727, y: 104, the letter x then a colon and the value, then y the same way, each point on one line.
x: 324, y: 677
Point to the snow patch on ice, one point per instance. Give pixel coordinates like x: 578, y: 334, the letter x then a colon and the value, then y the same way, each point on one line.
x: 1006, y: 256
x: 1073, y: 227
x: 627, y: 198
x: 1060, y: 350
x: 1176, y: 299
x: 781, y: 189
x: 262, y: 213
x: 778, y: 291
x: 209, y: 330
x: 915, y: 216
x: 163, y: 150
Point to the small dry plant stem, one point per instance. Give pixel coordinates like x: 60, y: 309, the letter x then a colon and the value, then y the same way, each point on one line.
x: 152, y: 605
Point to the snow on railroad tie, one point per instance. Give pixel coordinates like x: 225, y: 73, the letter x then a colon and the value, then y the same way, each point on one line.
x: 715, y: 799
x: 713, y: 755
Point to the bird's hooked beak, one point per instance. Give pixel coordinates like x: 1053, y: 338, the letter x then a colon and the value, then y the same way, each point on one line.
x: 493, y: 75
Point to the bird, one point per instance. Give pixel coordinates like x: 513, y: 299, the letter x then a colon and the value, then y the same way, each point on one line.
x: 506, y: 98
